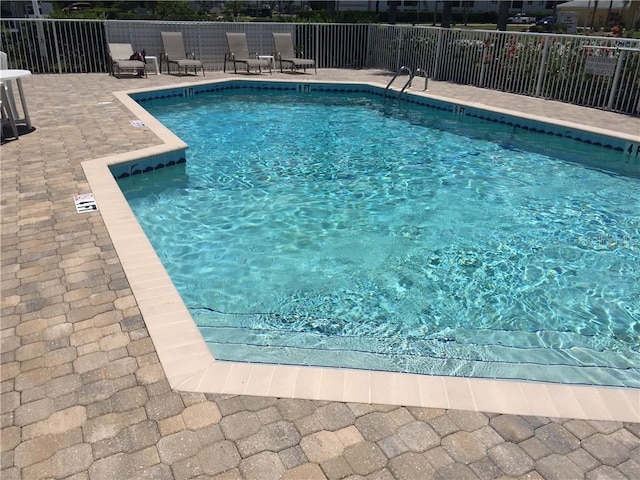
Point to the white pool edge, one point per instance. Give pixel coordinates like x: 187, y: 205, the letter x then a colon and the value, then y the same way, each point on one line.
x: 190, y: 365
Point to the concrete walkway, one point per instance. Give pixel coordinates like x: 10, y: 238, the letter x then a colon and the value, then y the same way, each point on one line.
x: 84, y: 395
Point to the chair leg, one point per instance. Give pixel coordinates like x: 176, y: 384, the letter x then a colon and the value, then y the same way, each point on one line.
x: 7, y: 113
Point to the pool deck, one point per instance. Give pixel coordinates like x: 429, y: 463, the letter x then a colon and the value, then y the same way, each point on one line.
x: 97, y: 385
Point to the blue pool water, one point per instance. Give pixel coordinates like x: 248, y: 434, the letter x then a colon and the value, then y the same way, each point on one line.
x: 348, y: 230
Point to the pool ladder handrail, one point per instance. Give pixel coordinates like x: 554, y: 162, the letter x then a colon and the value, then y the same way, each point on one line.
x: 422, y: 73
x: 400, y: 70
x: 418, y: 73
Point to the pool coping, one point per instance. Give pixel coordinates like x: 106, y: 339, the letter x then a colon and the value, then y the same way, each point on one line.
x: 190, y: 366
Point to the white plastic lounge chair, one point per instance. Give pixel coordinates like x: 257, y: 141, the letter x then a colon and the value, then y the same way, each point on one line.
x: 174, y: 52
x: 8, y: 116
x: 284, y: 53
x: 120, y: 53
x: 239, y: 53
x: 9, y: 112
x: 11, y: 104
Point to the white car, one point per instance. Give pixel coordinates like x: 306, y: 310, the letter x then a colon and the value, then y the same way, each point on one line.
x: 521, y: 18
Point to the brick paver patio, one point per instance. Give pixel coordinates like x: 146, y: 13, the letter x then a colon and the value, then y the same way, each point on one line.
x: 84, y: 395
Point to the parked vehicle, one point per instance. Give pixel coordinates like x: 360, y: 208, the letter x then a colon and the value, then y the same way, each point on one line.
x: 76, y: 7
x: 521, y: 18
x: 546, y: 21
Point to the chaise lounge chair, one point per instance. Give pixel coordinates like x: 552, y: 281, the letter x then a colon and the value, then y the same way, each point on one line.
x: 239, y: 53
x: 119, y: 54
x: 285, y: 53
x: 174, y: 52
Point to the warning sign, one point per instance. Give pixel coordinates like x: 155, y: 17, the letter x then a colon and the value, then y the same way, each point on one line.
x: 85, y: 203
x: 602, y: 66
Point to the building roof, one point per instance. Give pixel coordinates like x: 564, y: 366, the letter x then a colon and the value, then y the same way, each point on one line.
x: 591, y: 4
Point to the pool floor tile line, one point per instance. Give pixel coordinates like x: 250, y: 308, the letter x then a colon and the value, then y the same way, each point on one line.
x: 87, y: 392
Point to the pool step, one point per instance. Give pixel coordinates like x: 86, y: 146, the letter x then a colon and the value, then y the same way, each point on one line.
x: 448, y: 349
x: 426, y: 366
x: 546, y: 347
x: 327, y: 328
x: 423, y: 356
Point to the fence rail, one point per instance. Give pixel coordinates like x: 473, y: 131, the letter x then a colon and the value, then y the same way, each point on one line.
x: 598, y: 72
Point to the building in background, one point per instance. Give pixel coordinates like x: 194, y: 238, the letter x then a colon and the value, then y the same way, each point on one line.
x: 603, y: 13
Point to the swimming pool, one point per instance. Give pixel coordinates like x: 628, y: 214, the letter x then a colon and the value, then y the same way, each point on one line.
x: 516, y: 242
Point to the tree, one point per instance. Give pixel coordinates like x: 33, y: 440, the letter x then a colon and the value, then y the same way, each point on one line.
x: 466, y: 6
x: 446, y: 14
x: 503, y: 16
x: 393, y: 10
x: 174, y: 9
x: 234, y: 9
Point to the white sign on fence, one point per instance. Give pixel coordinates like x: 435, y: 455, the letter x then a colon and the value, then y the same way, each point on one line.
x: 603, y: 66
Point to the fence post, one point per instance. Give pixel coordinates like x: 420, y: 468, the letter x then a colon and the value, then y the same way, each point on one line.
x: 399, y: 50
x: 57, y: 47
x: 316, y: 43
x: 483, y: 65
x: 42, y: 42
x: 436, y: 65
x: 616, y: 80
x: 366, y: 58
x: 542, y: 68
x: 543, y: 65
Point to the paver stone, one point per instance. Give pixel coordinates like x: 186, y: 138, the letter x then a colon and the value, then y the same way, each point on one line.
x: 336, y: 468
x: 512, y: 428
x: 261, y: 466
x: 511, y: 459
x: 606, y: 449
x: 419, y: 436
x: 557, y: 467
x: 321, y: 446
x: 464, y: 447
x: 365, y: 457
x: 335, y: 416
x: 605, y: 472
x: 240, y: 425
x: 455, y: 471
x: 467, y: 420
x: 308, y: 471
x: 178, y: 446
x: 219, y: 457
x: 393, y: 446
x: 411, y: 466
x: 201, y: 415
x: 557, y: 438
x: 375, y: 426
